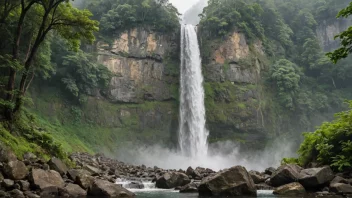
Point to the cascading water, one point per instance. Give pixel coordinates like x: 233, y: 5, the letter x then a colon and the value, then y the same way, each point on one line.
x: 192, y: 131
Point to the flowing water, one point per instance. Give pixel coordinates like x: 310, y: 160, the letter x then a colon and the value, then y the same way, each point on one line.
x: 192, y: 132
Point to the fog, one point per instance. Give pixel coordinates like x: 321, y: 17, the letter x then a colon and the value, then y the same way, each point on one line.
x: 220, y: 156
x: 183, y: 5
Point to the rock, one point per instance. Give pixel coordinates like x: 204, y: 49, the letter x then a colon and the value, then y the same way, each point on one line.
x: 193, y: 173
x: 106, y: 189
x: 93, y: 170
x: 85, y: 181
x: 73, y: 173
x: 263, y: 186
x: 7, y: 155
x: 235, y: 181
x: 57, y: 165
x: 270, y: 171
x: 42, y: 178
x: 341, y: 188
x: 54, y: 192
x: 16, y: 170
x: 172, y: 180
x: 8, y: 184
x: 75, y: 191
x: 29, y: 156
x: 16, y: 193
x: 189, y: 188
x: 24, y: 185
x: 339, y: 179
x: 4, y: 194
x: 290, y: 189
x: 285, y: 174
x: 30, y: 194
x: 315, y: 177
x: 135, y: 185
x: 257, y: 177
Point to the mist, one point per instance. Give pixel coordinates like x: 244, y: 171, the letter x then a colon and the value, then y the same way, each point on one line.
x: 220, y: 156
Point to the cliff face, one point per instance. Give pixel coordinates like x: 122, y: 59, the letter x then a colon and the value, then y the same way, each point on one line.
x: 139, y: 61
x: 233, y: 90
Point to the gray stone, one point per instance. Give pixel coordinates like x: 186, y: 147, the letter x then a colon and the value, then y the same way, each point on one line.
x: 16, y: 193
x: 24, y: 185
x: 30, y: 194
x: 316, y: 177
x: 57, y: 165
x: 172, y: 180
x: 285, y: 174
x: 16, y: 170
x: 6, y: 155
x: 341, y: 188
x: 235, y: 181
x: 257, y: 177
x: 189, y: 188
x: 339, y: 179
x: 106, y: 189
x: 93, y: 170
x: 53, y: 192
x: 85, y: 181
x: 290, y: 189
x: 8, y: 183
x: 29, y: 156
x: 270, y: 171
x: 75, y: 191
x: 42, y: 178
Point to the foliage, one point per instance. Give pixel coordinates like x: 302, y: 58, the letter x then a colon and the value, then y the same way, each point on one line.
x: 330, y: 144
x: 345, y: 37
x: 285, y: 77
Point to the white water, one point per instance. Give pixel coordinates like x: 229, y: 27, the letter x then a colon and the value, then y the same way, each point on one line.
x: 192, y: 132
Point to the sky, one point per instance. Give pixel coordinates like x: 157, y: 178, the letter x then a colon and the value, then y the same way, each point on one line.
x: 183, y: 5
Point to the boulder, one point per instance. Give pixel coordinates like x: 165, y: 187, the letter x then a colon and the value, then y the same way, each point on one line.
x: 29, y: 157
x: 285, y: 174
x: 24, y: 185
x: 135, y: 185
x: 7, y: 184
x: 41, y: 179
x: 73, y: 173
x: 75, y: 191
x: 16, y: 170
x: 172, y: 180
x: 106, y: 189
x: 93, y: 170
x: 81, y: 177
x: 193, y: 173
x: 292, y: 189
x: 16, y: 193
x: 30, y: 194
x: 57, y: 165
x: 339, y: 179
x: 235, y: 181
x: 316, y: 177
x: 189, y: 188
x: 341, y: 188
x: 270, y: 171
x: 257, y: 177
x: 54, y: 192
x: 6, y: 155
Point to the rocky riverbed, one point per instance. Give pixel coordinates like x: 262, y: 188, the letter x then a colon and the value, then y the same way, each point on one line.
x: 98, y: 175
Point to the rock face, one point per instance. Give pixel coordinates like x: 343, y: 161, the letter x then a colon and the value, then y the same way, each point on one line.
x: 106, y: 189
x: 137, y: 59
x: 42, y: 179
x: 315, y: 177
x: 16, y: 170
x: 172, y: 180
x: 235, y: 181
x: 285, y: 174
x: 292, y: 189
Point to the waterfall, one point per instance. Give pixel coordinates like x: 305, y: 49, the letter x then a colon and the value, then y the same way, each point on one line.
x: 192, y: 131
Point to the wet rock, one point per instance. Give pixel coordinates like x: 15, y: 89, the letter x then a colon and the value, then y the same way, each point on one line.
x: 189, y: 188
x: 341, y: 188
x: 263, y: 186
x: 285, y: 174
x: 106, y: 189
x: 257, y: 177
x: 16, y: 193
x: 235, y: 181
x: 135, y: 185
x: 290, y: 189
x: 315, y: 177
x: 75, y: 191
x: 16, y: 170
x: 57, y: 165
x: 193, y: 173
x: 41, y: 179
x: 54, y: 192
x: 172, y: 180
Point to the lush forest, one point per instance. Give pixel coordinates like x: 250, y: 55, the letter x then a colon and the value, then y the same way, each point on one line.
x: 50, y: 46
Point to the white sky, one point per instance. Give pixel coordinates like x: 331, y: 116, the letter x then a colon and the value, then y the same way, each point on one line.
x: 183, y: 5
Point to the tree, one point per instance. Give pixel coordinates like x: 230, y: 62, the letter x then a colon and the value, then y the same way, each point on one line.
x: 345, y: 37
x: 54, y: 15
